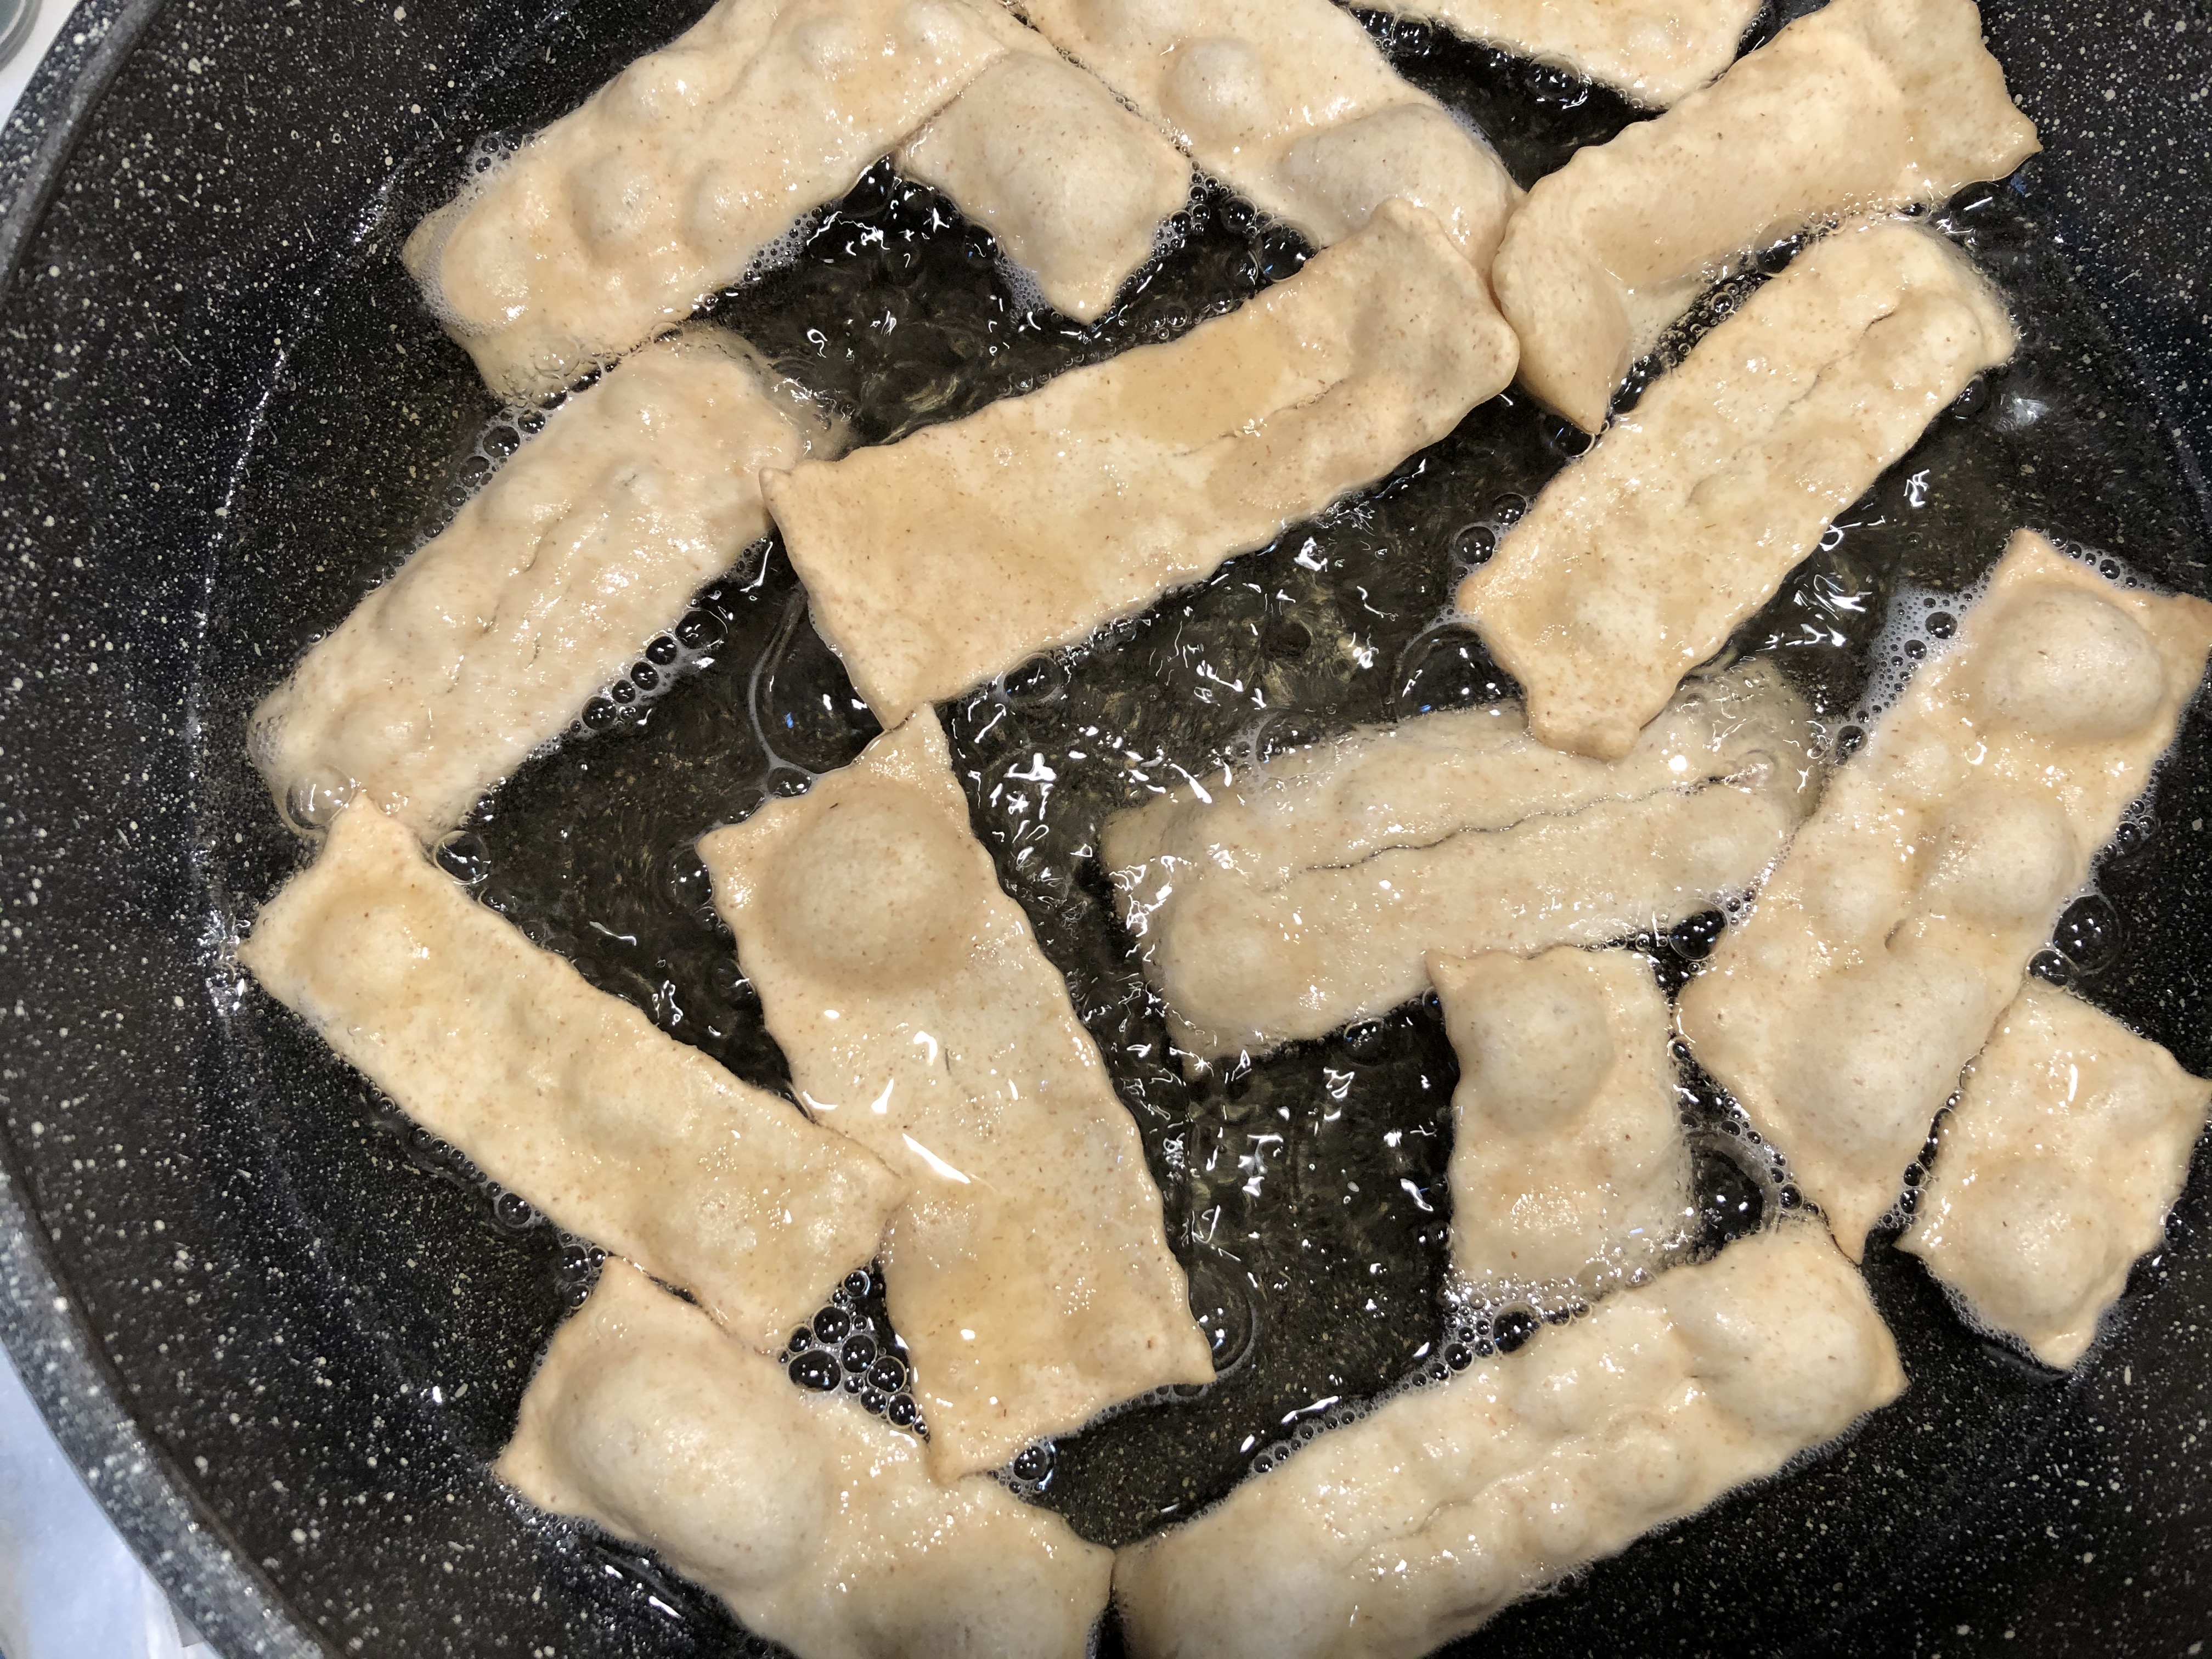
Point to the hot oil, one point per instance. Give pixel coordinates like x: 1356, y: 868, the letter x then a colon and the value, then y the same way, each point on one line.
x: 1305, y: 1193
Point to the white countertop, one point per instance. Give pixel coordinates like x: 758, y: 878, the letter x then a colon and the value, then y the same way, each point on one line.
x: 16, y: 73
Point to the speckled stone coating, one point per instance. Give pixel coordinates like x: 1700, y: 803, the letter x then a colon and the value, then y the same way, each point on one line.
x: 296, y: 1346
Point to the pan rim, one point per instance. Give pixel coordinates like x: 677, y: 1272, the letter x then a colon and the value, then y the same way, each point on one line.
x: 185, y: 1547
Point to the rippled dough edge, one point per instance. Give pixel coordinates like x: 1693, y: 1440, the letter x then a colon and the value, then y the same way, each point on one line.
x: 589, y: 540
x: 1655, y: 52
x: 560, y: 1092
x: 933, y: 563
x: 1389, y: 1537
x: 673, y: 179
x: 2070, y: 1143
x: 1863, y: 106
x: 1900, y: 924
x: 817, y: 1523
x: 1569, y: 1170
x: 1639, y: 560
x: 1027, y: 1270
x: 1305, y: 895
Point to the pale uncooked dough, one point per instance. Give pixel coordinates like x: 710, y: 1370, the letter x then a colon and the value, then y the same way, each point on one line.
x: 1389, y: 1537
x: 1902, y: 921
x: 1027, y: 1270
x: 1865, y: 104
x: 1654, y: 50
x: 2071, y: 1141
x: 1072, y: 183
x: 672, y: 179
x: 1569, y: 1170
x: 493, y: 636
x: 1283, y: 902
x: 935, y: 563
x: 1290, y: 105
x: 818, y: 1524
x: 565, y: 1094
x: 1638, y: 560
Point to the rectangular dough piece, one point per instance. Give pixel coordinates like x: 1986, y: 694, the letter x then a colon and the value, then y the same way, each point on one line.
x: 1028, y: 1271
x: 1655, y: 51
x: 490, y: 640
x: 565, y: 1094
x: 817, y: 1523
x: 673, y: 179
x: 1569, y: 1172
x: 1290, y: 105
x: 1389, y: 1537
x: 1884, y: 948
x: 2071, y: 1141
x: 1038, y: 152
x: 937, y: 561
x: 1638, y: 560
x: 1288, y: 902
x: 1863, y: 106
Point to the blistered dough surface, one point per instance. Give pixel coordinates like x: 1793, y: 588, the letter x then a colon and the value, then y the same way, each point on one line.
x: 1283, y: 902
x: 561, y: 1092
x: 1290, y: 105
x: 935, y: 563
x: 672, y: 179
x: 2070, y: 1142
x: 1654, y: 50
x: 489, y: 640
x: 1568, y: 1166
x: 1039, y: 152
x: 1027, y: 1269
x: 1389, y: 1537
x: 1902, y: 921
x: 1638, y: 560
x: 1864, y: 105
x: 819, y: 1523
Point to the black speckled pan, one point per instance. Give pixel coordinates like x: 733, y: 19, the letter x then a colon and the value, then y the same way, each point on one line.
x: 282, y: 1346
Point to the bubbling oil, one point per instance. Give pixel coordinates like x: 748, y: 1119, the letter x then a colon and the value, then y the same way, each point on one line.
x: 1304, y: 1191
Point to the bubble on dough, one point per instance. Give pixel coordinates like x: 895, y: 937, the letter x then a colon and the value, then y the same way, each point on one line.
x: 2080, y: 669
x: 874, y: 892
x: 1906, y: 642
x: 1219, y: 86
x: 2003, y: 862
x: 1538, y: 1043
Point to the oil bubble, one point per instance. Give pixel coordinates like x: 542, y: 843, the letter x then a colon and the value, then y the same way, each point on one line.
x: 815, y: 1370
x: 1512, y: 1328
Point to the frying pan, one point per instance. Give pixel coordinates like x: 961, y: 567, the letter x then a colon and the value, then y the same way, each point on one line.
x: 281, y: 1353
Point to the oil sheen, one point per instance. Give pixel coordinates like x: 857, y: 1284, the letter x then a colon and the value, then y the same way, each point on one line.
x: 1305, y: 1194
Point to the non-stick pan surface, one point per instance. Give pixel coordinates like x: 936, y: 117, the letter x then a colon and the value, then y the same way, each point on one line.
x: 283, y: 1353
